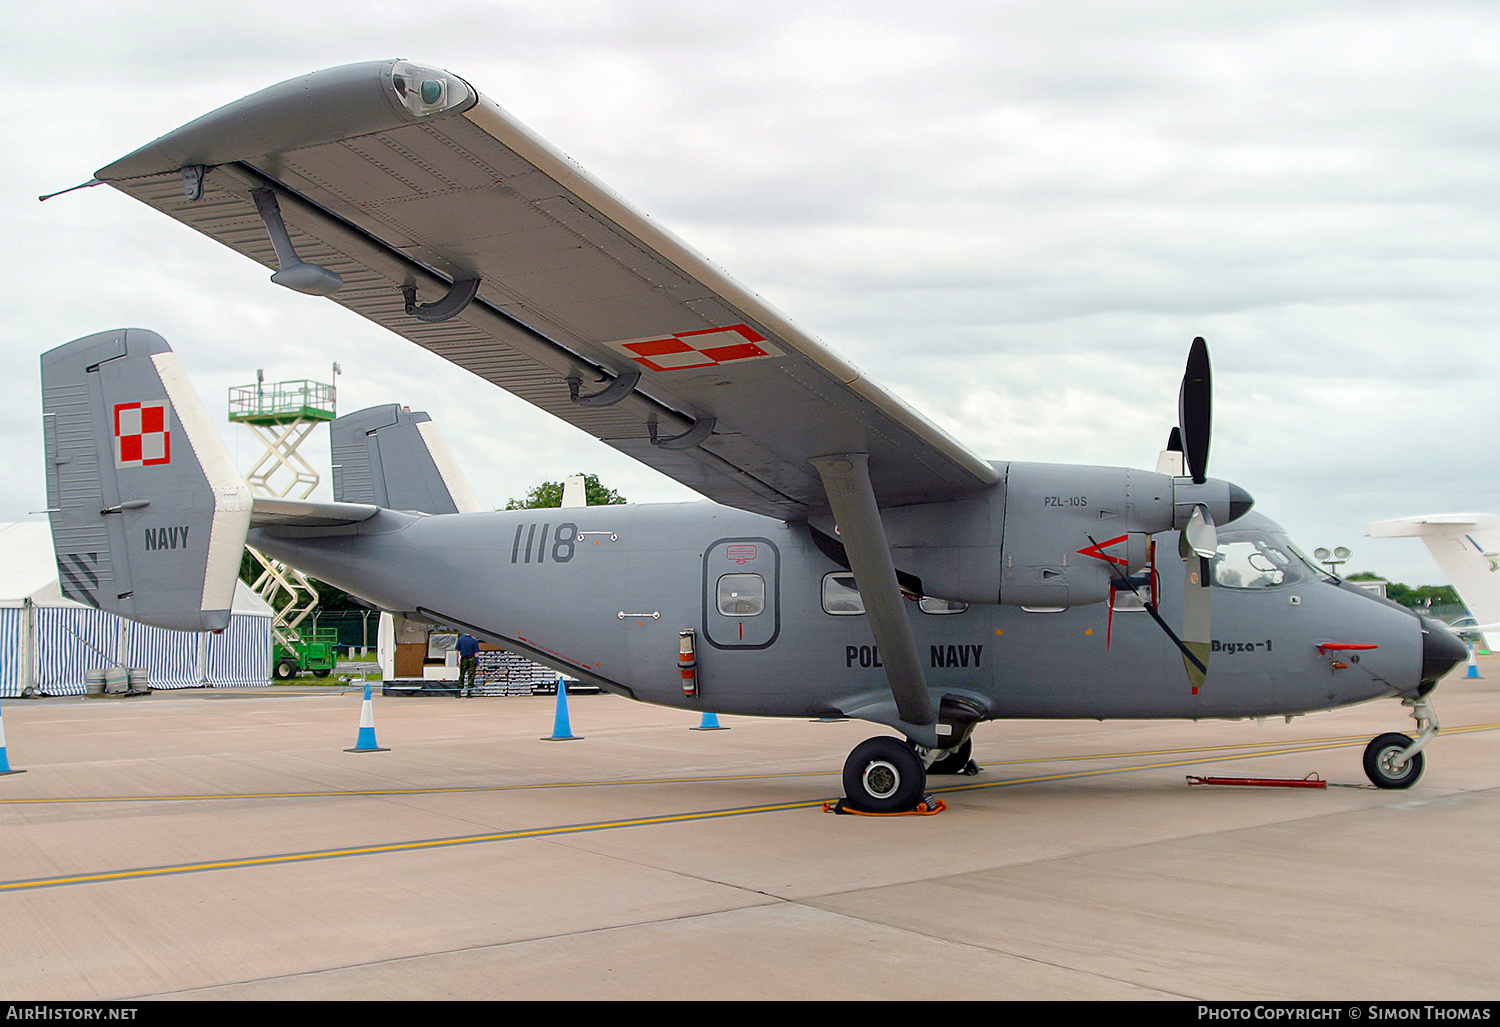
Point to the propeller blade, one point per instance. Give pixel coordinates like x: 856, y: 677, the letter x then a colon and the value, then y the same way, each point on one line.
x: 1197, y: 545
x: 1200, y: 536
x: 1170, y: 460
x: 1195, y: 410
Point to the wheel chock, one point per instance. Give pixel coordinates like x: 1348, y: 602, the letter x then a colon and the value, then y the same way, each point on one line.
x: 926, y: 808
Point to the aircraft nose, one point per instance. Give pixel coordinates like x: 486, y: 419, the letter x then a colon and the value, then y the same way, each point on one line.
x: 1442, y: 650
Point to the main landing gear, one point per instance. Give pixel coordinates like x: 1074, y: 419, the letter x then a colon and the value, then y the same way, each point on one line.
x: 884, y: 775
x: 889, y: 775
x: 1395, y: 760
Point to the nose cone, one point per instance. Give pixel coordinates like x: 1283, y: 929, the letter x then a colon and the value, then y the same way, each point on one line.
x: 1442, y: 650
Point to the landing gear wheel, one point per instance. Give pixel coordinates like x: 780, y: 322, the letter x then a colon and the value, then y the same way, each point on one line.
x: 1380, y: 756
x: 956, y: 762
x: 286, y: 670
x: 884, y: 775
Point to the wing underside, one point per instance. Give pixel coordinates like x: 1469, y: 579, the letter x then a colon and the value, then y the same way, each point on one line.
x: 732, y: 400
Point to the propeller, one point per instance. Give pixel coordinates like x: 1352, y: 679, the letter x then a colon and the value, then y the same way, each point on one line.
x: 1186, y: 457
x: 1199, y: 539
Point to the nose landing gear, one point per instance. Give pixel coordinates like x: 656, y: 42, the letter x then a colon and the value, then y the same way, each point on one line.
x: 1395, y: 760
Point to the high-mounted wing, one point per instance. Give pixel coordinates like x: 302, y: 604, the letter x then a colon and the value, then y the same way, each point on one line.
x: 413, y: 200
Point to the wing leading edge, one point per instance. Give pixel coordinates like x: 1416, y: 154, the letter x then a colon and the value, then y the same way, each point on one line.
x: 411, y: 187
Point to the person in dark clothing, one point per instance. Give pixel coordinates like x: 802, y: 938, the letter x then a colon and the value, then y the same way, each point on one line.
x: 468, y: 663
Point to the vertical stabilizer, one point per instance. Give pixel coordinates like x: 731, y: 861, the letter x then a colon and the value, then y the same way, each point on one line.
x: 148, y: 511
x: 1467, y: 548
x: 395, y: 458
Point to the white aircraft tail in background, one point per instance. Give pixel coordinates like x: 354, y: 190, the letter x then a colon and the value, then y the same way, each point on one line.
x: 1467, y: 548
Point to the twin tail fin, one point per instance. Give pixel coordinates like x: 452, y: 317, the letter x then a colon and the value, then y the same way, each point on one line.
x: 149, y: 513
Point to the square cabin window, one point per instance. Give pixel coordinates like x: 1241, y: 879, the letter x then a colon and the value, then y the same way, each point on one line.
x: 941, y: 607
x: 1126, y: 601
x: 742, y: 595
x: 840, y: 596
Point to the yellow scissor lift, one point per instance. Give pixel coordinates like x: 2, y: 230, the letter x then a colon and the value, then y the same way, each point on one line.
x: 282, y: 415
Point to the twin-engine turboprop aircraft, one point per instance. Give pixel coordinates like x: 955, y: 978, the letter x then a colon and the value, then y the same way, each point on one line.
x: 856, y: 560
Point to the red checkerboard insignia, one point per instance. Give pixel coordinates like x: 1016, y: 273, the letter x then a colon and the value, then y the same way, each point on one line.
x: 141, y: 435
x: 707, y: 347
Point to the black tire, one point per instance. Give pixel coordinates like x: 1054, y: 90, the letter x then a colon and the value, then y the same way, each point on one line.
x: 1378, y: 755
x: 322, y: 673
x: 955, y: 761
x: 285, y: 670
x: 884, y: 775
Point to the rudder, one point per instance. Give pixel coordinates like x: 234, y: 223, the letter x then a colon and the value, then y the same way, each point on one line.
x: 395, y: 458
x: 149, y: 513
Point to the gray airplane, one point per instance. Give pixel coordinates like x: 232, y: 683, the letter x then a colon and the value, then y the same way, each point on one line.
x: 856, y: 561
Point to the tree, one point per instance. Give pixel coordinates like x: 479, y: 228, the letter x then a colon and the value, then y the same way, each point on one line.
x: 550, y: 493
x: 1417, y: 597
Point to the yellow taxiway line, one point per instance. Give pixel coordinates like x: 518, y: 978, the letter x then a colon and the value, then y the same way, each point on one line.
x: 1207, y: 754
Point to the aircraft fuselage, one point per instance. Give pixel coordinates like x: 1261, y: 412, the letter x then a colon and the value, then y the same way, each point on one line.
x: 601, y: 593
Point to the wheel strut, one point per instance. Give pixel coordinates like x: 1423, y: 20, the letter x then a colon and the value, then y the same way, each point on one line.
x: 1427, y: 729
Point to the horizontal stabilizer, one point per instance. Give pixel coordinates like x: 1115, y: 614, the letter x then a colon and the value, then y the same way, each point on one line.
x: 302, y: 513
x: 148, y: 511
x: 394, y: 458
x: 1435, y: 525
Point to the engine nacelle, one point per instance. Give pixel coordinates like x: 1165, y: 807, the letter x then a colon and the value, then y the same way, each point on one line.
x: 1048, y: 534
x: 1070, y: 531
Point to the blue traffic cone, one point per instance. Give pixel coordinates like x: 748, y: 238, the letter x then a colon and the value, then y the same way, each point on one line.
x: 562, y: 731
x: 4, y: 759
x: 1473, y: 663
x: 710, y: 723
x: 365, y: 742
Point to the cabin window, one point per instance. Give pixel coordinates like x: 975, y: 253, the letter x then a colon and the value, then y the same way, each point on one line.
x: 742, y: 595
x: 840, y: 597
x: 940, y: 607
x: 1126, y: 601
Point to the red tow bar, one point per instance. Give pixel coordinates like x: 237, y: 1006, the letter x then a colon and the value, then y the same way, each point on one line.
x: 1310, y: 781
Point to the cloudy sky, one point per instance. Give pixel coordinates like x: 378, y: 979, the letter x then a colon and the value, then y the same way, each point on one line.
x: 1014, y: 215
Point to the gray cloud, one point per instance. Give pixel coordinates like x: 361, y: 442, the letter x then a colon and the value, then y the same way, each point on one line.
x: 1014, y: 215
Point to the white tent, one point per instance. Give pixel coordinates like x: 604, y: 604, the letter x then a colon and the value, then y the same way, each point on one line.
x: 48, y: 642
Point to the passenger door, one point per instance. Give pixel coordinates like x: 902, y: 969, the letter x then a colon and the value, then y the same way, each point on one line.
x: 742, y: 593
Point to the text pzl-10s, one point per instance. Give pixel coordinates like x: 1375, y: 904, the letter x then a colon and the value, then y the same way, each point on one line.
x: 856, y: 561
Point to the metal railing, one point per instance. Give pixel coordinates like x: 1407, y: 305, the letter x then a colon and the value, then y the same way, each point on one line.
x: 279, y: 402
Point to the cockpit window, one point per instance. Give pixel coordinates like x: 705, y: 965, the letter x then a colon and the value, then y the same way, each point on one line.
x: 1255, y: 560
x: 1316, y: 568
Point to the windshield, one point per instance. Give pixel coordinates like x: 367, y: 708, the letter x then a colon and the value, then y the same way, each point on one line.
x: 1256, y: 558
x: 1317, y: 569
